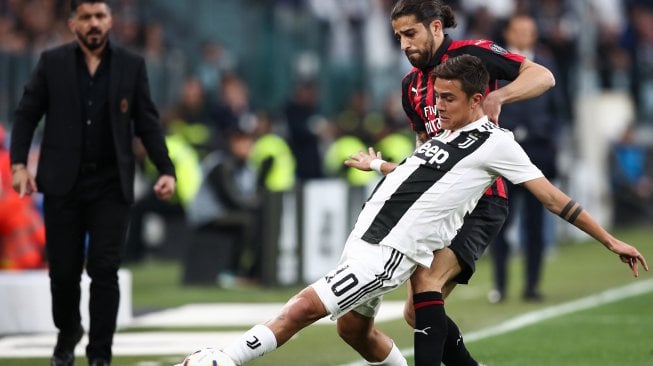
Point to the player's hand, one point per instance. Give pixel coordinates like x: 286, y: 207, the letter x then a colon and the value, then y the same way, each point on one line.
x: 165, y: 187
x: 630, y: 255
x: 22, y: 181
x: 492, y: 107
x: 361, y: 160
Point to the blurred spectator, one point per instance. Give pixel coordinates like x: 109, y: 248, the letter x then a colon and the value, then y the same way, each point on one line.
x: 11, y: 40
x: 355, y: 118
x: 22, y: 233
x: 343, y: 46
x: 395, y: 146
x: 639, y: 43
x: 535, y: 124
x: 189, y: 176
x: 395, y: 140
x: 381, y: 57
x: 340, y: 150
x: 355, y: 128
x: 272, y: 158
x: 302, y: 120
x: 166, y: 67
x: 276, y: 173
x: 192, y: 105
x: 558, y: 27
x: 214, y: 62
x: 482, y: 24
x: 190, y: 117
x: 233, y: 110
x: 128, y: 32
x: 224, y: 216
x: 631, y: 172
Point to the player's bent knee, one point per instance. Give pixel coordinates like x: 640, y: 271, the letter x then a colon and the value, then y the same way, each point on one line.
x: 304, y: 308
x: 409, y: 313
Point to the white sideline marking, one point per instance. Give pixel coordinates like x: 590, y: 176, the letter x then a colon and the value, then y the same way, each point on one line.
x: 236, y: 314
x: 602, y: 298
x: 521, y: 321
x: 171, y: 342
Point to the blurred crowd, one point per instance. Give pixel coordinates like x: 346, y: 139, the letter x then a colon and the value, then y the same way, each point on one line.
x: 301, y: 84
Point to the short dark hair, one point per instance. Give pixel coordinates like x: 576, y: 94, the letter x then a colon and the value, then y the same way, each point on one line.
x: 468, y: 69
x: 425, y: 11
x: 74, y: 4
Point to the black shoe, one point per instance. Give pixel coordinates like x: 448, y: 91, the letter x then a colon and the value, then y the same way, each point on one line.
x: 64, y: 351
x: 63, y: 359
x: 99, y: 362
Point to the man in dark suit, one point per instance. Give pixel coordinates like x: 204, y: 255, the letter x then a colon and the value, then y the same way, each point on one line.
x: 536, y: 124
x: 95, y: 98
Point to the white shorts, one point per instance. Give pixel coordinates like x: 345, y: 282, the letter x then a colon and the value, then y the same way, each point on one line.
x: 365, y: 272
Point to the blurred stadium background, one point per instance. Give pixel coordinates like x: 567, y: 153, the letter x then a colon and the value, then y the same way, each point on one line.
x: 324, y: 75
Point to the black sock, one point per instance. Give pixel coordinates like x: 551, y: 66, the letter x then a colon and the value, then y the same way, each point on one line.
x: 430, y: 328
x: 455, y: 352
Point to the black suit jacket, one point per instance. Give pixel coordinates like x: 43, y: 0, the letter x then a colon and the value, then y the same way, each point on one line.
x: 53, y: 91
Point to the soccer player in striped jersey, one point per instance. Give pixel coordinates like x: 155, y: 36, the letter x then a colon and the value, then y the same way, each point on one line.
x: 412, y: 213
x: 419, y: 28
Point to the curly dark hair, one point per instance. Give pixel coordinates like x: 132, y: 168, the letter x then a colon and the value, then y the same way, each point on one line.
x: 425, y: 11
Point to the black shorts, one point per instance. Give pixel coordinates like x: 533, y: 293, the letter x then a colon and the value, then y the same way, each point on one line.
x: 480, y: 228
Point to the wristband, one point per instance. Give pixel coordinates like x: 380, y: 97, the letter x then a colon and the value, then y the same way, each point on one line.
x: 376, y: 165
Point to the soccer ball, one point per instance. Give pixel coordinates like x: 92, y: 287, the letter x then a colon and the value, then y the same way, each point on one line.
x: 207, y: 357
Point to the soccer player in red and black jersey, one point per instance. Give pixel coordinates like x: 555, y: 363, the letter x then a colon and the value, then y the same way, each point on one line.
x: 419, y: 28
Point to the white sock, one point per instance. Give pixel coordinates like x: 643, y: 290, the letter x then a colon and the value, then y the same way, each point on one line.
x: 395, y: 358
x: 252, y: 344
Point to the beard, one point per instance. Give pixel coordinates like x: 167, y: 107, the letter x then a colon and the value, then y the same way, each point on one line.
x: 93, y: 40
x: 421, y: 58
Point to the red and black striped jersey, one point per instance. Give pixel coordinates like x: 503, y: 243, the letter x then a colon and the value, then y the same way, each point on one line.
x: 417, y: 88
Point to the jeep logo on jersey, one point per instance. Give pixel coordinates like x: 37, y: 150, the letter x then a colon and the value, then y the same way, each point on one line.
x: 432, y: 153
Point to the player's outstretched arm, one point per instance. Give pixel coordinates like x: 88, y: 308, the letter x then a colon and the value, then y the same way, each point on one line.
x: 560, y: 204
x: 533, y: 80
x: 370, y: 160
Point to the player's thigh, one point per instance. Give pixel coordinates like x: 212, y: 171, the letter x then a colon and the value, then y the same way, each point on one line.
x: 365, y: 272
x: 444, y: 267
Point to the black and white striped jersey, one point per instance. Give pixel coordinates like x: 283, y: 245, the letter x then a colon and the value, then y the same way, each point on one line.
x: 419, y: 207
x: 418, y: 98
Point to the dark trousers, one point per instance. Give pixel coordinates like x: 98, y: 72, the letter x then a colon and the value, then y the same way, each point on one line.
x: 95, y: 210
x: 532, y: 214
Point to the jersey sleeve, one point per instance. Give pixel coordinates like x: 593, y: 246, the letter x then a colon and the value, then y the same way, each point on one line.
x: 500, y: 64
x: 510, y: 161
x: 416, y: 122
